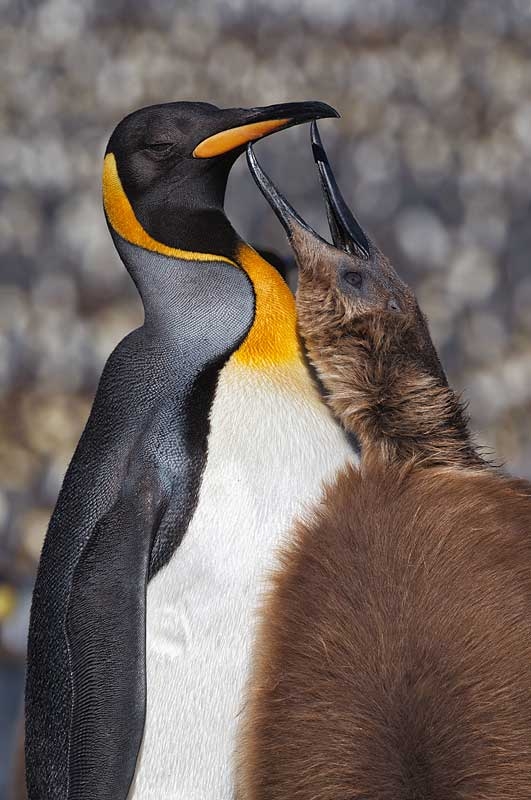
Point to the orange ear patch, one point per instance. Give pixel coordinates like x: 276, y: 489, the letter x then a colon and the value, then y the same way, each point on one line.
x: 123, y: 220
x: 224, y: 141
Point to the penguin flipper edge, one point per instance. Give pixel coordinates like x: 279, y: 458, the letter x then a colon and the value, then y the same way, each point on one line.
x: 106, y: 621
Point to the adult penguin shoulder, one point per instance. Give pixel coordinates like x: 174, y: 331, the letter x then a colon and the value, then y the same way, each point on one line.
x: 205, y: 439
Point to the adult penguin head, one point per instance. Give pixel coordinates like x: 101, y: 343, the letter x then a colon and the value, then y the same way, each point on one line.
x: 175, y: 158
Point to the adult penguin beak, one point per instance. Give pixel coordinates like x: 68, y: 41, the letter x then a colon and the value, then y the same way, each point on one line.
x: 241, y: 125
x: 346, y: 232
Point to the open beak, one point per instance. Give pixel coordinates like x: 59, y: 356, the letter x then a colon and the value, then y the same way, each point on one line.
x: 346, y: 232
x: 248, y: 125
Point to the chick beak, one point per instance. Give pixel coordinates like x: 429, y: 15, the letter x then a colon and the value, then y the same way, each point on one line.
x: 288, y: 217
x: 347, y: 234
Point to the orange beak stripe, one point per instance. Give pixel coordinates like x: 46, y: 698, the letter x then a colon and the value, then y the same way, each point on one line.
x: 224, y: 141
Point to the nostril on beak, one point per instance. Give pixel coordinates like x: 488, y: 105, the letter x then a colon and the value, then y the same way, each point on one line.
x: 393, y: 305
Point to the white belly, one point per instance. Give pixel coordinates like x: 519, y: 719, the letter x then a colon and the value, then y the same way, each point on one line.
x: 271, y: 446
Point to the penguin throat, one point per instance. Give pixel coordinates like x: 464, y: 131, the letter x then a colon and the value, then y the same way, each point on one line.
x: 272, y: 338
x: 184, y: 227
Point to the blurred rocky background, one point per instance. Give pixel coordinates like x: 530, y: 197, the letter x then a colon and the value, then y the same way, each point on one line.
x: 433, y: 151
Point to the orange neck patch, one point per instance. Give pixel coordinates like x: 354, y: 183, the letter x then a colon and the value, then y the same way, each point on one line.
x: 122, y: 218
x: 273, y: 335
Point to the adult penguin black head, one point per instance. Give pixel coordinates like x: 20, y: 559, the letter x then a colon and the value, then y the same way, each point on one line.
x: 166, y: 170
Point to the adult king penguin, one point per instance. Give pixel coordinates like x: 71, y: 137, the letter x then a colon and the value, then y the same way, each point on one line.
x: 206, y: 438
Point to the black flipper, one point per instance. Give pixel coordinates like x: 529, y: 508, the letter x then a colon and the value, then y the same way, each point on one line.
x: 106, y: 622
x: 125, y: 505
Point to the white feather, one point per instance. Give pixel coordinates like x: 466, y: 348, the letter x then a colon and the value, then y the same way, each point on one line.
x: 271, y: 446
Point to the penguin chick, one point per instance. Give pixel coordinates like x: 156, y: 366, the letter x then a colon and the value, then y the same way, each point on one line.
x: 393, y: 660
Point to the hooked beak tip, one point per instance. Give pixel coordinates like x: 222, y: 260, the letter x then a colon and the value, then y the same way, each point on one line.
x: 319, y: 154
x: 317, y: 145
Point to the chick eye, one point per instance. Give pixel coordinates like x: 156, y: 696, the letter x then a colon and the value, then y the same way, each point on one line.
x: 353, y: 278
x: 160, y: 147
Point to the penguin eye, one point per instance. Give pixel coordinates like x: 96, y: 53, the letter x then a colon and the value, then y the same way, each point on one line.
x: 160, y: 147
x: 353, y: 278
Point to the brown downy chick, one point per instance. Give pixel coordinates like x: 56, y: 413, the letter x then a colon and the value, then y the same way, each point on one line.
x: 393, y: 660
x: 370, y: 344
